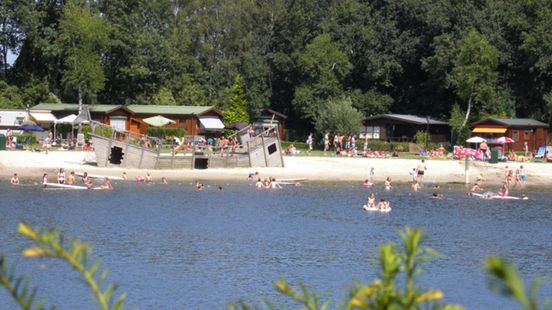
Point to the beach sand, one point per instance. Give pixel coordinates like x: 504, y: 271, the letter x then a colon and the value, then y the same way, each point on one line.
x: 29, y: 164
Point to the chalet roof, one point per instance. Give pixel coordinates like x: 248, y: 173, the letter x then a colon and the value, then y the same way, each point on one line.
x: 72, y: 107
x: 171, y: 109
x: 270, y: 111
x: 407, y: 118
x: 513, y: 122
x: 133, y: 108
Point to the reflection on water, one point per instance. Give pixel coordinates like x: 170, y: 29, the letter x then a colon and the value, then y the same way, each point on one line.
x: 171, y: 247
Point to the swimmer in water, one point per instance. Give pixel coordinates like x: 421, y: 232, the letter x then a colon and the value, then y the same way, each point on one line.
x: 476, y: 187
x: 14, y: 180
x: 164, y: 181
x: 148, y: 178
x: 259, y: 184
x: 505, y: 190
x: 438, y: 196
x: 106, y: 185
x: 388, y: 183
x: 199, y: 186
x: 367, y: 183
x: 125, y: 177
x: 70, y: 178
x: 415, y: 186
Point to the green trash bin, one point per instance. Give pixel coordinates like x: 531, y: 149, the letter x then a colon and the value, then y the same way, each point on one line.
x: 2, y: 143
x: 494, y: 156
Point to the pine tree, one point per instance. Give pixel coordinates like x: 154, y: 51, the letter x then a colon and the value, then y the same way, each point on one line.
x: 237, y: 111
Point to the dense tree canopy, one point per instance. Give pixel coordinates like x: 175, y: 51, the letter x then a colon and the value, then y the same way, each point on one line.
x: 405, y: 56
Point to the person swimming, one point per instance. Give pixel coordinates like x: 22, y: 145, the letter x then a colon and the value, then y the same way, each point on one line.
x: 415, y: 186
x: 367, y: 184
x: 505, y: 190
x: 259, y: 184
x: 199, y: 186
x: 125, y: 177
x: 164, y: 181
x: 437, y: 196
x: 14, y: 180
x: 476, y: 187
x: 388, y: 183
x: 106, y: 185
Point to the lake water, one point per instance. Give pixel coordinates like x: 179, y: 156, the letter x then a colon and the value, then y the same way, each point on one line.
x: 170, y: 247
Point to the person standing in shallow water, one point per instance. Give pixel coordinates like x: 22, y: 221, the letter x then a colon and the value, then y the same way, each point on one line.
x: 420, y: 170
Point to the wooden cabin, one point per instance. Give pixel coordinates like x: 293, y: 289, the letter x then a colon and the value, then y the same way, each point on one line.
x: 195, y: 120
x: 268, y: 118
x: 521, y: 130
x: 403, y: 127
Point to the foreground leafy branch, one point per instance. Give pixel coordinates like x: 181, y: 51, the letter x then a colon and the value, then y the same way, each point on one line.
x: 504, y: 279
x: 18, y: 288
x: 50, y: 244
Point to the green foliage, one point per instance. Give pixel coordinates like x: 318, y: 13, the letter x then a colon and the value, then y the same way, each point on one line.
x: 504, y: 279
x: 31, y: 138
x: 422, y: 137
x: 338, y: 115
x: 456, y: 122
x: 323, y: 66
x: 86, y: 130
x: 474, y: 74
x: 9, y: 96
x: 163, y: 97
x: 417, y: 57
x: 103, y: 131
x: 239, y: 106
x: 50, y: 244
x: 83, y: 35
x: 162, y: 133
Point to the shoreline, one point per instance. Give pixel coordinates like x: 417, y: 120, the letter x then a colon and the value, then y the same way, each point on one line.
x: 28, y: 164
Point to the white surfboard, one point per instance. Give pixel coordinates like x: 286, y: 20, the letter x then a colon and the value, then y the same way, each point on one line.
x: 365, y: 207
x: 57, y: 185
x: 292, y: 180
x: 494, y: 196
x: 98, y: 176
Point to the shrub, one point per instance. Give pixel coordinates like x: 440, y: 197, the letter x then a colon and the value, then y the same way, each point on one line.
x: 104, y: 131
x: 162, y: 133
x: 26, y: 136
x: 86, y: 130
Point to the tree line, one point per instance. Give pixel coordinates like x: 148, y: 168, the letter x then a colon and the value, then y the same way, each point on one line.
x: 312, y: 60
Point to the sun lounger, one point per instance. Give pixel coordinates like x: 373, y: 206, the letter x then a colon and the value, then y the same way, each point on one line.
x: 541, y: 152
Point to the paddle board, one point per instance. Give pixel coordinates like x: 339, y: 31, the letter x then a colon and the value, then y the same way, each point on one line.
x: 97, y: 176
x: 365, y: 207
x: 487, y: 196
x: 63, y: 186
x: 292, y: 180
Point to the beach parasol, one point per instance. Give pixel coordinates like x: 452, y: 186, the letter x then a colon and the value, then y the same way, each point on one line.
x: 31, y: 128
x: 503, y: 140
x: 466, y: 152
x: 476, y: 139
x: 158, y: 121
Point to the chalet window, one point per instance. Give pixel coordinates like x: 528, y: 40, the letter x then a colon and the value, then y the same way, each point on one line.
x: 526, y: 135
x: 371, y: 132
x: 515, y: 135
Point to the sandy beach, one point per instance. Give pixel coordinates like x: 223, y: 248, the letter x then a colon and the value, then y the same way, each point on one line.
x: 29, y: 164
